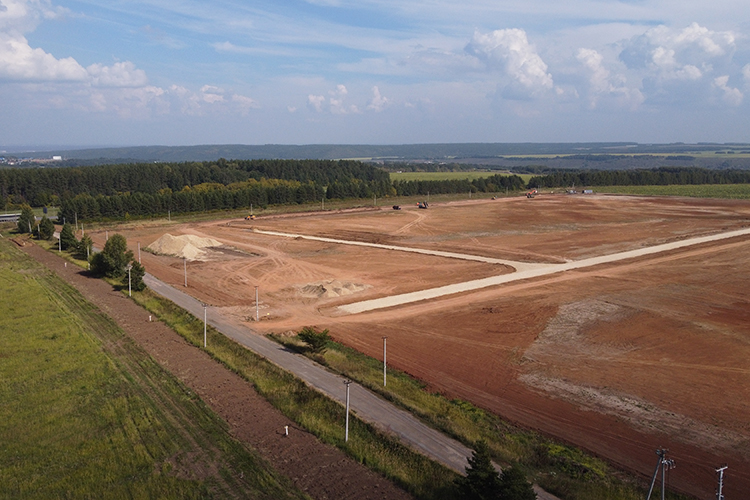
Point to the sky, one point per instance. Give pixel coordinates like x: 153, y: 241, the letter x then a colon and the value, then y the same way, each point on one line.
x: 188, y: 72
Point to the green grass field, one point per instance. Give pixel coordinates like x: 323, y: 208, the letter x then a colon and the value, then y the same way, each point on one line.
x: 726, y: 191
x: 562, y: 470
x: 442, y: 176
x: 84, y: 413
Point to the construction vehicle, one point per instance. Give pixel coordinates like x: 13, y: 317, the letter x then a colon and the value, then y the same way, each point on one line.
x: 396, y: 207
x: 422, y: 204
x: 531, y: 193
x: 249, y: 217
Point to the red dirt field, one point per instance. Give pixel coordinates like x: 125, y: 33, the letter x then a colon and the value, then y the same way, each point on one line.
x: 620, y: 358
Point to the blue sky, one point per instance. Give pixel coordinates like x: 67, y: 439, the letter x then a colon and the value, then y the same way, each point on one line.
x: 182, y: 72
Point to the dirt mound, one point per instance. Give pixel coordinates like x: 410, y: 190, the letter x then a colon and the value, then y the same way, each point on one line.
x: 185, y: 246
x: 330, y: 289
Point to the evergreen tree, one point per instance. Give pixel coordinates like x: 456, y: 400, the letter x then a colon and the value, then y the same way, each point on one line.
x: 84, y: 248
x: 514, y: 486
x: 316, y: 341
x: 46, y: 229
x: 111, y: 261
x: 137, y: 272
x: 67, y: 238
x: 482, y: 482
x: 27, y: 221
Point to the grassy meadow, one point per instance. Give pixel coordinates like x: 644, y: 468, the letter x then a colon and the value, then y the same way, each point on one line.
x: 84, y: 413
x: 442, y: 176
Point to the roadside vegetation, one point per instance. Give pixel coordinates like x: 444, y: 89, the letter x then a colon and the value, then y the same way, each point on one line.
x: 310, y: 409
x: 85, y: 413
x: 563, y: 470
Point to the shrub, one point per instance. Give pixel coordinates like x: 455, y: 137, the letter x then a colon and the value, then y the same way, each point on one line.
x: 316, y: 341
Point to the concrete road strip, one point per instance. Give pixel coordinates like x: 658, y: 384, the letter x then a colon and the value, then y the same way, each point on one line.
x: 541, y: 270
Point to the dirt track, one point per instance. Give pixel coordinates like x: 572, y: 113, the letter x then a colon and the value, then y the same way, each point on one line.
x: 620, y: 359
x: 320, y: 470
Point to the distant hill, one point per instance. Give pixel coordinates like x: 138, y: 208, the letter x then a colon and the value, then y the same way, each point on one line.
x: 481, y: 153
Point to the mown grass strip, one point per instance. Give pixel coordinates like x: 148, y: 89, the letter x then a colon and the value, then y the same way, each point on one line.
x: 562, y: 470
x: 310, y: 409
x: 85, y: 413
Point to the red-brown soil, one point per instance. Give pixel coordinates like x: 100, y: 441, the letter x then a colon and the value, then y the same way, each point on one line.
x: 320, y: 470
x: 620, y: 358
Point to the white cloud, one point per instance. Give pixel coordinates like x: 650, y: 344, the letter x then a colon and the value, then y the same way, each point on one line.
x: 746, y: 74
x: 23, y: 16
x: 316, y: 102
x: 121, y: 74
x: 603, y: 84
x: 18, y: 61
x: 337, y: 101
x: 378, y: 102
x: 686, y: 54
x: 211, y: 94
x: 510, y: 50
x: 731, y: 95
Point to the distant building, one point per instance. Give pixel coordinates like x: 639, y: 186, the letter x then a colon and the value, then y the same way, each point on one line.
x: 57, y: 158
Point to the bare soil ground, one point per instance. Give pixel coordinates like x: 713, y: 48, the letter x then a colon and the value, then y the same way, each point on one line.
x: 619, y: 358
x: 320, y: 470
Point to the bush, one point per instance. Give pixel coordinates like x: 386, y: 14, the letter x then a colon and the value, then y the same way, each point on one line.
x: 111, y: 261
x: 316, y: 341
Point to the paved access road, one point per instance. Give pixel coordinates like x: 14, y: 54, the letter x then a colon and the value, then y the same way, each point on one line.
x: 525, y: 273
x: 368, y: 406
x: 364, y: 403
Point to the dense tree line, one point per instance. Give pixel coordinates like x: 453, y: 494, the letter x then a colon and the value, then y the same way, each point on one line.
x: 204, y: 197
x: 47, y: 186
x: 493, y: 184
x: 642, y: 177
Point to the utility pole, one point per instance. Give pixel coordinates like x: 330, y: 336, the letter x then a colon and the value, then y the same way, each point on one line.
x: 664, y: 464
x: 257, y: 312
x: 130, y: 292
x: 205, y: 318
x: 184, y: 264
x: 719, y: 494
x: 139, y: 252
x: 384, y: 363
x: 346, y: 431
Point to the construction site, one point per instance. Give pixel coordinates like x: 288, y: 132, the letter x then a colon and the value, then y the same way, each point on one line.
x: 615, y: 323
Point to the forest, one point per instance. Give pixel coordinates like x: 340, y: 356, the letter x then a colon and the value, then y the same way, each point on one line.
x: 641, y: 177
x: 155, y: 189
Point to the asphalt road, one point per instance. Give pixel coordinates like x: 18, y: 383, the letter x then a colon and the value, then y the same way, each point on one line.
x: 368, y: 406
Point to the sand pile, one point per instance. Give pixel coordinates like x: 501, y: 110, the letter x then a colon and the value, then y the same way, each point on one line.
x: 329, y: 289
x: 185, y: 246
